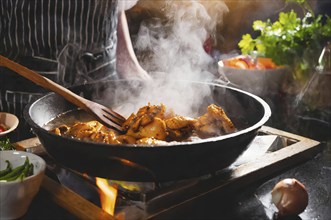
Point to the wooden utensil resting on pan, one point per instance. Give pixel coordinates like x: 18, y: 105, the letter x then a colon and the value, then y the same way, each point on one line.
x: 103, y: 114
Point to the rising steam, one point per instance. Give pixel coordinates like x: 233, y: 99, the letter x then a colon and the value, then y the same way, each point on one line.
x: 171, y: 49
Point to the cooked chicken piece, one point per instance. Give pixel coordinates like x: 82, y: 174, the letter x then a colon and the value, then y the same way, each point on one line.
x: 104, y: 137
x: 214, y: 122
x: 156, y: 129
x: 151, y: 141
x: 92, y: 131
x: 61, y: 130
x: 219, y: 114
x: 137, y: 122
x: 179, y: 122
x: 179, y: 127
x: 152, y: 125
x: 129, y: 121
x: 126, y: 139
x: 147, y: 123
x: 144, y: 116
x: 152, y: 110
x: 169, y: 114
x: 82, y: 130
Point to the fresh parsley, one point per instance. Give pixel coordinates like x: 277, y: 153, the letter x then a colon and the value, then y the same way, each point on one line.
x: 290, y: 40
x: 5, y: 144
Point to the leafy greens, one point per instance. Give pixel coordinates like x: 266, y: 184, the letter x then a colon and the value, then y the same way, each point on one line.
x: 290, y: 40
x: 5, y: 144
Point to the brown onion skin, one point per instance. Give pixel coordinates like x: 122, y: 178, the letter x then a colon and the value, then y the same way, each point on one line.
x: 290, y: 197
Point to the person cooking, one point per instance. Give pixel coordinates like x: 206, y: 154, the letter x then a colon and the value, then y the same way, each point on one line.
x: 71, y: 42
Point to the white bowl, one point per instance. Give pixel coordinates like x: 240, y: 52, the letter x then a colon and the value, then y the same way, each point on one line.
x: 10, y: 121
x: 260, y: 82
x: 16, y: 196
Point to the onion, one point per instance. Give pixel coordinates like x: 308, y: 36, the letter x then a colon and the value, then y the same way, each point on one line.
x: 290, y: 197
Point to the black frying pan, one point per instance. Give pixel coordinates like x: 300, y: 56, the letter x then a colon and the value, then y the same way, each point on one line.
x: 151, y: 163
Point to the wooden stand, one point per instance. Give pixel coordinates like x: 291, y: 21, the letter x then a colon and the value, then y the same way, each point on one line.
x: 298, y: 149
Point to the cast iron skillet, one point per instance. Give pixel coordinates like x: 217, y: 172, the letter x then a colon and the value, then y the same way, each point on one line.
x: 151, y: 163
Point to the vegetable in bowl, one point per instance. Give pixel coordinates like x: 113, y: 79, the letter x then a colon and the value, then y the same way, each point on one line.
x: 3, y: 128
x: 18, y: 173
x: 16, y: 195
x: 248, y: 62
x: 290, y: 40
x: 8, y: 123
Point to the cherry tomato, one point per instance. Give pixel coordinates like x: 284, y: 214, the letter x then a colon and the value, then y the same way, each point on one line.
x: 2, y: 129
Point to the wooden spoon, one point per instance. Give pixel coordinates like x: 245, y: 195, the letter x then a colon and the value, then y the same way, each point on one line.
x: 103, y: 114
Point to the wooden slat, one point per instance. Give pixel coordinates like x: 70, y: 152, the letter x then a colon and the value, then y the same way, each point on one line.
x: 32, y: 145
x: 286, y: 157
x: 72, y: 202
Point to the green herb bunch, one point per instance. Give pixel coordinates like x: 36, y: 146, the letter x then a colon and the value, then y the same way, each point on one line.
x: 5, y: 144
x: 290, y: 40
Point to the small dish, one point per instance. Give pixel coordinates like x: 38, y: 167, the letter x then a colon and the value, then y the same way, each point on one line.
x: 9, y: 121
x: 16, y: 196
x: 261, y: 82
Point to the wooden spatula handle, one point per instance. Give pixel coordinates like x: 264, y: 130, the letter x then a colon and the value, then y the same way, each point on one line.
x: 43, y: 82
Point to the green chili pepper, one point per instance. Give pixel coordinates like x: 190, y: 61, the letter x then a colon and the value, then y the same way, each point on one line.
x: 31, y: 169
x: 23, y: 174
x: 15, y: 172
x: 15, y: 177
x: 7, y: 170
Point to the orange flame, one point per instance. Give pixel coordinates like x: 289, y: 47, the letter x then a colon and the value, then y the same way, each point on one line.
x: 108, y: 195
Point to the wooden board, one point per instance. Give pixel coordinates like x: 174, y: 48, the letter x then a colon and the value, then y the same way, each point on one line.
x: 297, y: 149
